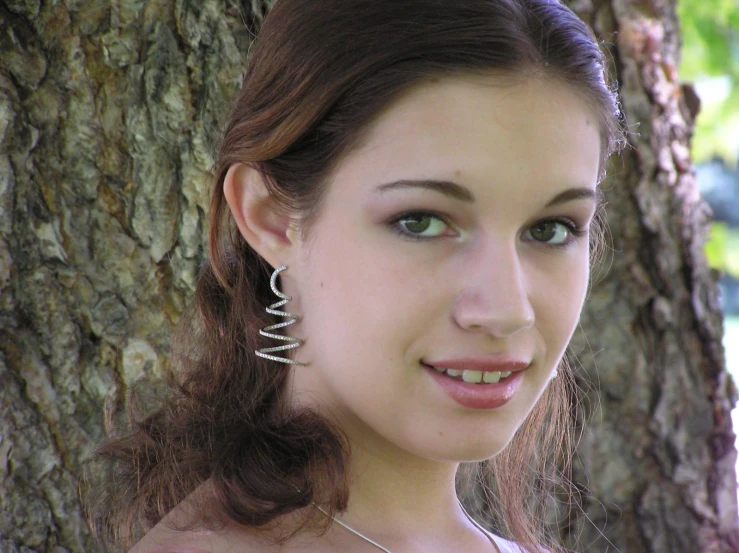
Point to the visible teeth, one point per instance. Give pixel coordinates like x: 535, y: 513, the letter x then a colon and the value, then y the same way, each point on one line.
x: 474, y: 377
x: 492, y: 377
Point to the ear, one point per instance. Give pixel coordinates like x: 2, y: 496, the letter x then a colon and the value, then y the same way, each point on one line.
x: 261, y: 221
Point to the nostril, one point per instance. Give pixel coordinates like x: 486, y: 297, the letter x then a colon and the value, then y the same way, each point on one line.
x: 500, y: 318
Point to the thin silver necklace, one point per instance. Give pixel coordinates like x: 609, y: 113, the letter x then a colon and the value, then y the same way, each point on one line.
x: 381, y: 548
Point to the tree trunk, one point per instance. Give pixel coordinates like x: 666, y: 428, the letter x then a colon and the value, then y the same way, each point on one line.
x: 657, y: 454
x: 108, y: 112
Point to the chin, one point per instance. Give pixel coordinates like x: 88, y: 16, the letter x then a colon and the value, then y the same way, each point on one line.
x: 480, y: 452
x: 467, y: 451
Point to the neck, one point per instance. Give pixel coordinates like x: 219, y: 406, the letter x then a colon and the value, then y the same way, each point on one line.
x: 403, y: 501
x: 399, y: 494
x: 398, y: 487
x: 407, y: 507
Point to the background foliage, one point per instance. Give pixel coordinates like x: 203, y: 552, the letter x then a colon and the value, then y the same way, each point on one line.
x: 710, y: 59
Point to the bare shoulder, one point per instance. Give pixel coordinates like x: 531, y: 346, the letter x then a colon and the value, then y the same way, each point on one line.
x: 166, y: 538
x: 169, y: 537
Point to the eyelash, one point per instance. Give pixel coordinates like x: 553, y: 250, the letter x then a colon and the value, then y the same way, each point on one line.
x: 397, y: 228
x: 575, y: 231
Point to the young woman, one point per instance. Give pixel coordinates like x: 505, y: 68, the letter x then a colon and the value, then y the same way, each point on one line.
x: 412, y: 187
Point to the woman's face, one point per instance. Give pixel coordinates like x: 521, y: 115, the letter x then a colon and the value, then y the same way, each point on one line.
x: 455, y: 236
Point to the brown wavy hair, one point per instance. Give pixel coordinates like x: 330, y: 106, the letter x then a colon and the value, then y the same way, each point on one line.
x: 318, y: 74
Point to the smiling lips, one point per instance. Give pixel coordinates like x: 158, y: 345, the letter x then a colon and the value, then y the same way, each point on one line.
x: 478, y: 383
x: 477, y: 369
x: 475, y: 377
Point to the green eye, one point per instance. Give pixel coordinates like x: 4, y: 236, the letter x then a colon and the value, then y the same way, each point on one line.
x: 417, y: 224
x: 551, y: 233
x: 420, y: 225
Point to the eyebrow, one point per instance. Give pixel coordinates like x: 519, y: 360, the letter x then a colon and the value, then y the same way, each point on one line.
x: 448, y: 188
x: 573, y: 194
x: 459, y: 192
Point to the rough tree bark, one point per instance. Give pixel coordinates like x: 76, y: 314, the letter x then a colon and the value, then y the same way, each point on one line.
x: 107, y: 115
x: 658, y: 455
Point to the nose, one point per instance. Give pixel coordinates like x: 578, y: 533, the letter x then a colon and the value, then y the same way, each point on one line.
x: 495, y: 298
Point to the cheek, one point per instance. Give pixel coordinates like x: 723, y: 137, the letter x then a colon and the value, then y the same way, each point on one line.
x: 560, y: 295
x: 367, y: 303
x: 352, y: 295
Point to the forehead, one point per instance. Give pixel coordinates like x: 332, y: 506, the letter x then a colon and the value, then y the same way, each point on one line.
x: 482, y: 128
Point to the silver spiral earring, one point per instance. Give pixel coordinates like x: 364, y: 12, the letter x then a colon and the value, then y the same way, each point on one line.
x: 266, y: 331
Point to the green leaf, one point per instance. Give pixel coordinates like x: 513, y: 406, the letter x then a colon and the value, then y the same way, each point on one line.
x: 722, y: 249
